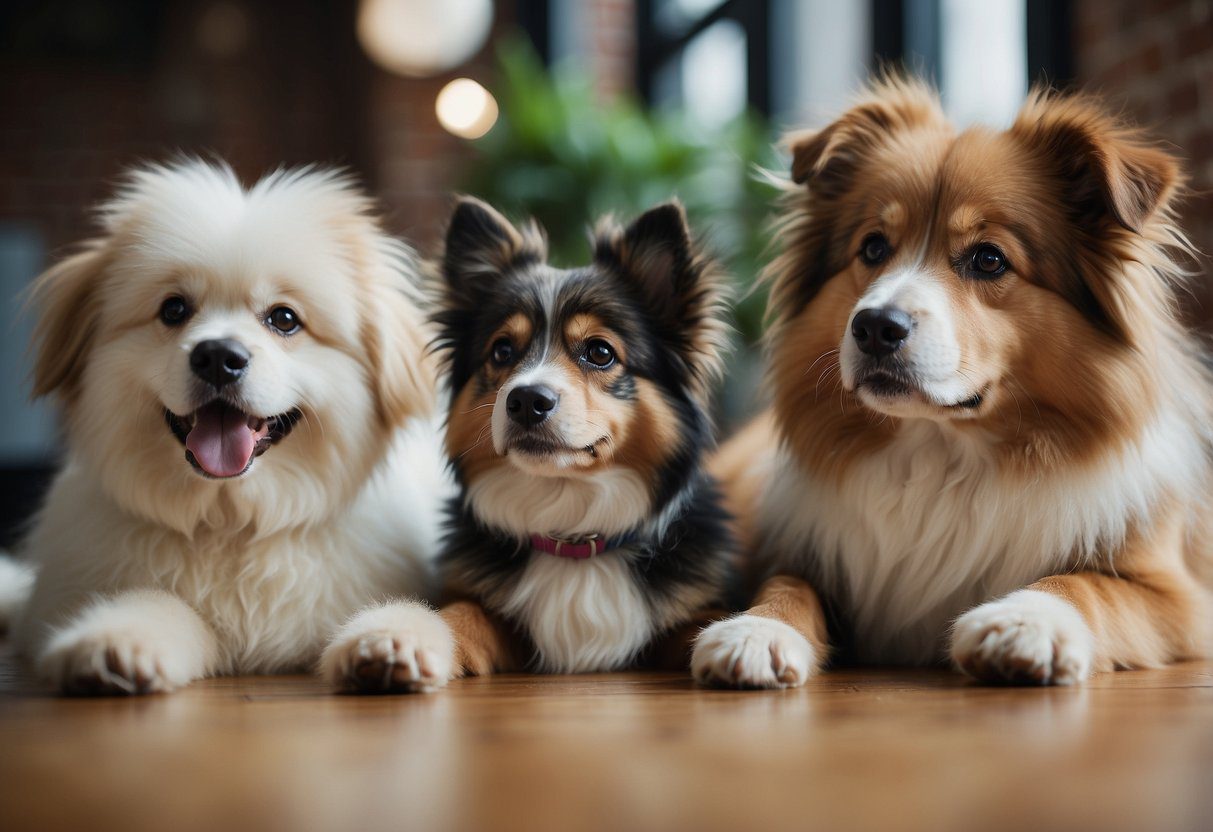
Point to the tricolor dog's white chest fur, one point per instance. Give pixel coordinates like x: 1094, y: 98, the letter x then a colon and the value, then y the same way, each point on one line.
x: 582, y: 615
x: 929, y: 526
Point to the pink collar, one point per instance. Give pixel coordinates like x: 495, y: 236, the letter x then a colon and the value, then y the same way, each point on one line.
x: 584, y: 547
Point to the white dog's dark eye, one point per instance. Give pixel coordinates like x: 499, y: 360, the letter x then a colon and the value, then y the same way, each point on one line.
x: 174, y: 311
x: 503, y: 352
x: 599, y: 353
x: 284, y: 320
x: 874, y: 250
x: 989, y: 261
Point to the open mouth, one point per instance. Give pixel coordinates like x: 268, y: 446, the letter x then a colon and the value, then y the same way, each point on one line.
x: 221, y: 441
x: 887, y: 385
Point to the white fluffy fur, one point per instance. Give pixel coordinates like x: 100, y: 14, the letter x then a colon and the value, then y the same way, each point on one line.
x: 1028, y: 635
x: 607, y: 502
x: 929, y: 527
x: 138, y: 641
x: 16, y: 581
x: 338, y: 514
x: 409, y: 641
x: 749, y: 651
x: 582, y: 615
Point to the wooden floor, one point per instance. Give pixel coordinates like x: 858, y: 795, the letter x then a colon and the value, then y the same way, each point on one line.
x: 853, y: 750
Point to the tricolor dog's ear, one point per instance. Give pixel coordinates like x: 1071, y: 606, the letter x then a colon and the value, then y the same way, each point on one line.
x: 683, y: 290
x: 826, y: 160
x: 480, y: 244
x: 67, y: 301
x: 1110, y: 170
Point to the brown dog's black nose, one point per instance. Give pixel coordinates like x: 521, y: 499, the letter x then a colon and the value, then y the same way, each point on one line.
x: 879, y: 332
x: 220, y: 361
x: 530, y: 405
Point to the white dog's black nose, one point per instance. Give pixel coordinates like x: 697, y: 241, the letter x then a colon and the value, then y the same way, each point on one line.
x: 219, y: 361
x: 880, y: 332
x: 530, y: 405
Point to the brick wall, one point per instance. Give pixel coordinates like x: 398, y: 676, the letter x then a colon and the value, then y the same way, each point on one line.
x: 1155, y: 58
x: 612, y: 45
x: 75, y: 120
x: 298, y: 89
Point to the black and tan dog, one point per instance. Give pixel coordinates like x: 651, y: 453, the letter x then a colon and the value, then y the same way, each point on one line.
x: 586, y: 532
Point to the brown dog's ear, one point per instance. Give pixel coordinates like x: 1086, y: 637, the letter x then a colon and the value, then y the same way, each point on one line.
x: 681, y: 288
x: 829, y: 157
x: 1109, y: 170
x: 66, y: 298
x: 480, y: 242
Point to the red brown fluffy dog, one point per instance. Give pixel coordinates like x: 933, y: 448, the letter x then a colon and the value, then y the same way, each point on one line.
x: 989, y: 437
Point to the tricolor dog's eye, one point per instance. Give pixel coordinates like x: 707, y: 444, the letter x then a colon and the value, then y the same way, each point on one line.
x: 988, y: 261
x: 284, y: 320
x: 174, y: 311
x: 503, y: 352
x: 874, y: 250
x: 599, y: 353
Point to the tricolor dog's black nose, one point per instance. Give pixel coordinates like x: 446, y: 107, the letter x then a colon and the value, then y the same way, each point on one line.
x: 220, y: 361
x: 530, y: 405
x: 880, y: 332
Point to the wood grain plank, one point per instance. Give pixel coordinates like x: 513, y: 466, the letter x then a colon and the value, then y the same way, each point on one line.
x: 855, y: 749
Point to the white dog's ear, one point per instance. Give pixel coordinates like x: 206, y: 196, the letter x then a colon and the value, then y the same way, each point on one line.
x: 67, y: 301
x: 401, y: 370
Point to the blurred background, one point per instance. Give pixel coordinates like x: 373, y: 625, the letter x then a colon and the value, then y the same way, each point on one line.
x: 561, y: 109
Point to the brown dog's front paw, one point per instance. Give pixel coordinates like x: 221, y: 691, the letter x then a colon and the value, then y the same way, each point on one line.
x: 1029, y: 637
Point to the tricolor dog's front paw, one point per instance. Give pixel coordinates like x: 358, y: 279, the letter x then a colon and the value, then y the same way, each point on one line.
x: 1028, y: 637
x: 400, y: 648
x: 752, y: 652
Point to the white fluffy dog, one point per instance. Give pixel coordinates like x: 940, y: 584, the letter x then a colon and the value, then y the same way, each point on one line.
x: 251, y: 447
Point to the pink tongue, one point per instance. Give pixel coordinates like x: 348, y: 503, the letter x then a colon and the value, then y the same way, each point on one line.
x: 221, y: 441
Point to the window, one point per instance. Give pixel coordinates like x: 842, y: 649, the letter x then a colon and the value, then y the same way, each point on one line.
x: 708, y: 56
x: 982, y: 55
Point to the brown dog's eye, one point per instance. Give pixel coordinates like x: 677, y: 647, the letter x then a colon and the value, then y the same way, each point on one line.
x: 599, y: 353
x: 988, y: 261
x: 875, y: 249
x: 503, y: 352
x: 284, y: 320
x: 174, y: 311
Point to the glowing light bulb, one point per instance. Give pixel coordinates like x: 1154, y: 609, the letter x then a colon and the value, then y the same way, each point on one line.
x: 466, y: 109
x: 420, y: 38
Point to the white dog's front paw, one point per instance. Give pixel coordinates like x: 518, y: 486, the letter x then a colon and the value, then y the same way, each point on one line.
x: 752, y: 652
x: 113, y: 663
x: 1029, y: 637
x: 411, y: 650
